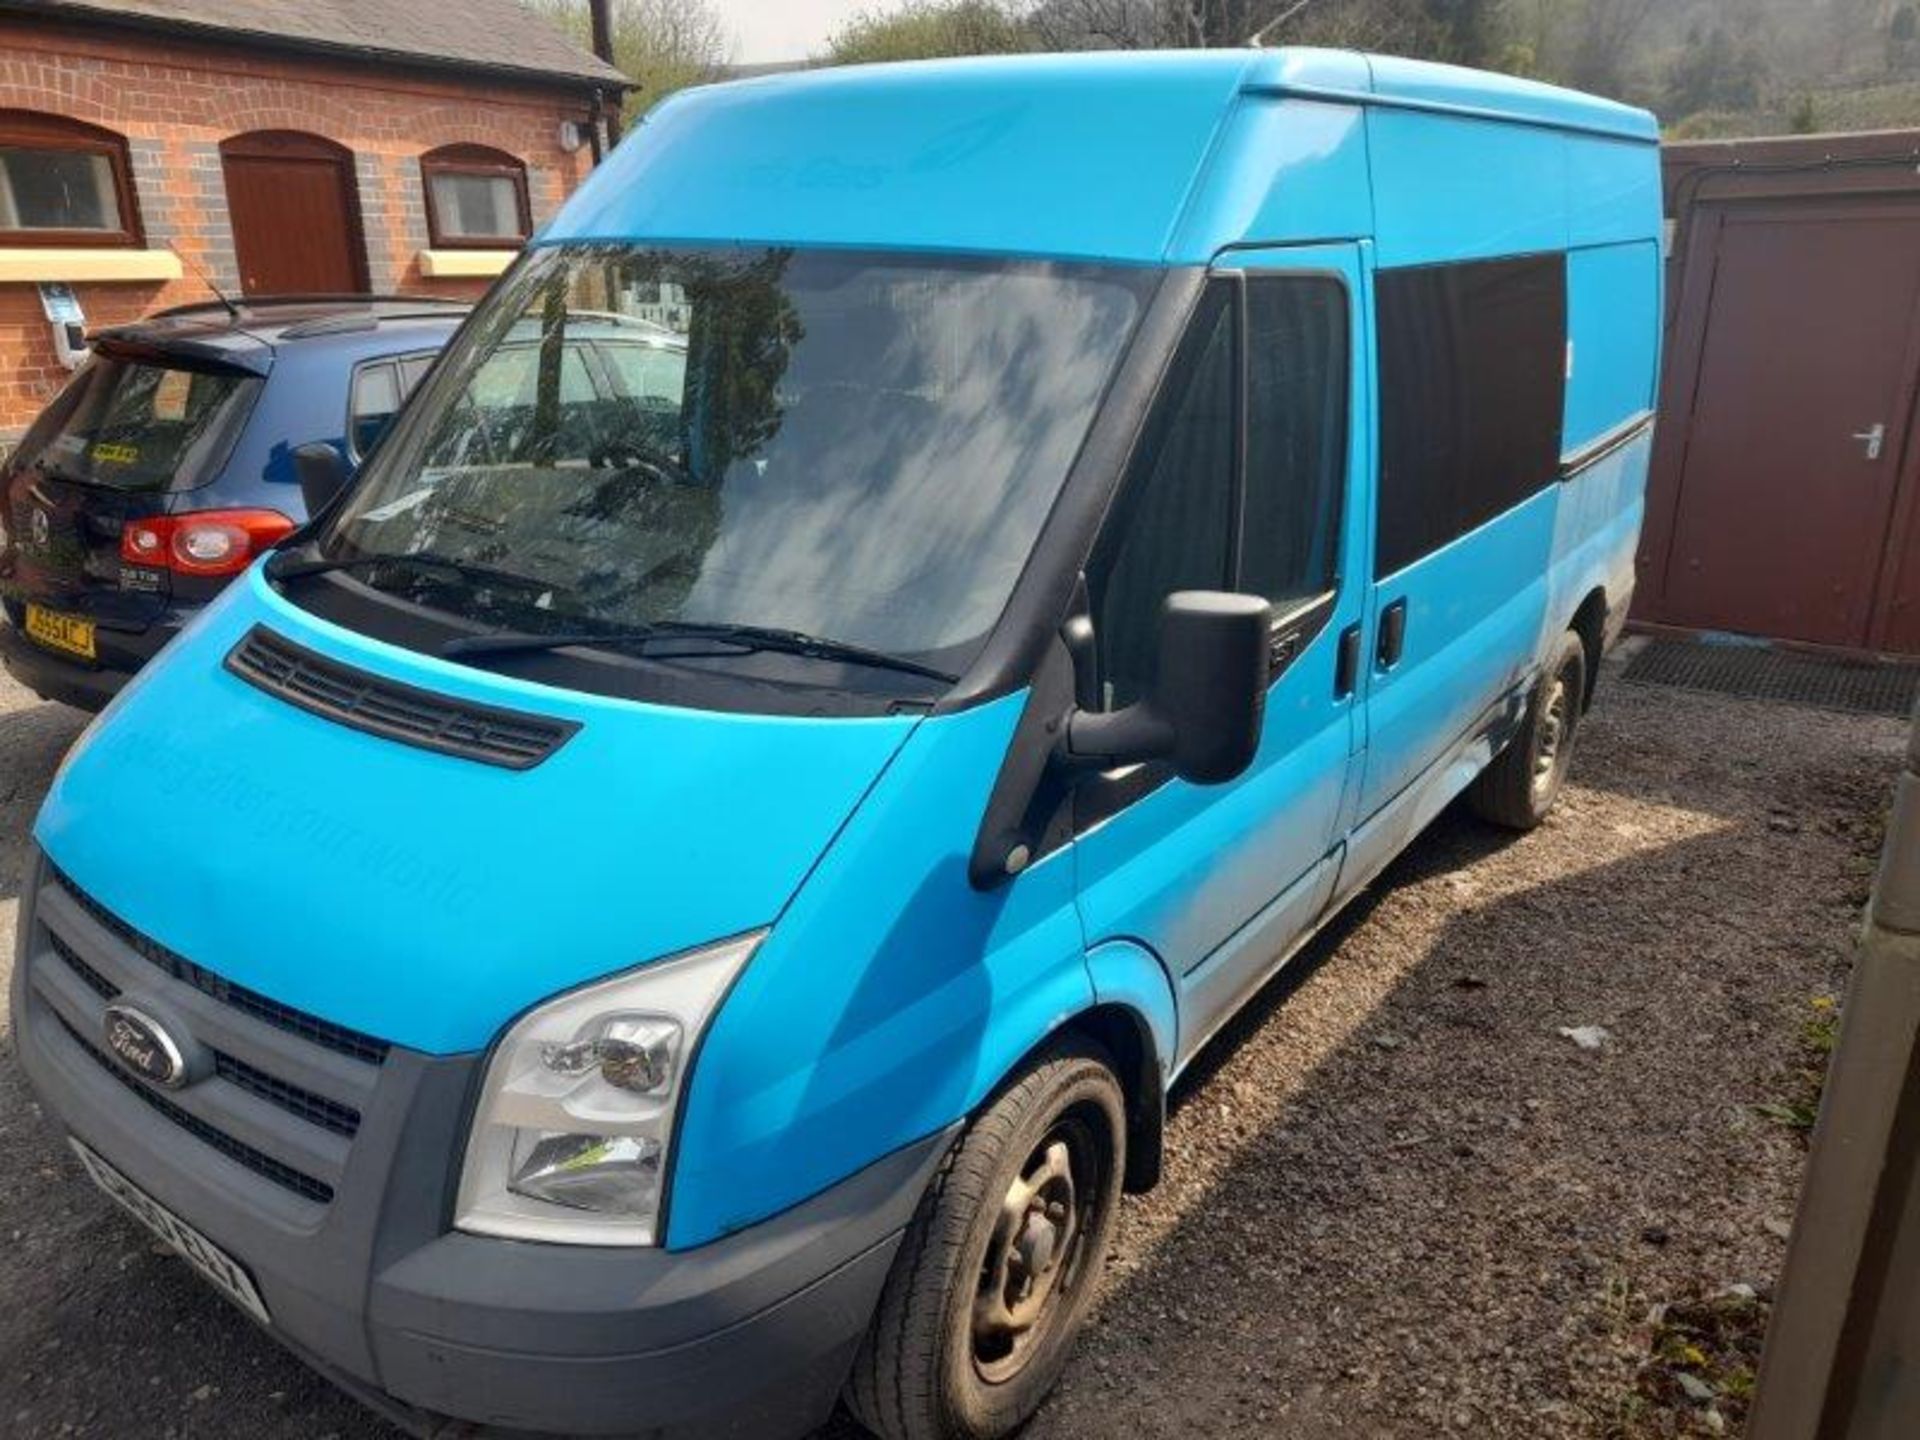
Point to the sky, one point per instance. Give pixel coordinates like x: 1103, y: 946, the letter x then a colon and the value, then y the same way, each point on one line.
x: 787, y: 29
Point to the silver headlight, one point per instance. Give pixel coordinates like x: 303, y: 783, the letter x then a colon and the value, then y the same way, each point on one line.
x: 570, y: 1140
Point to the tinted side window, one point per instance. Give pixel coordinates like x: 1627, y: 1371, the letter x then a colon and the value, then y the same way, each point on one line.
x: 379, y: 390
x: 1297, y: 386
x: 1172, y: 527
x: 413, y: 369
x: 376, y: 396
x: 1472, y: 387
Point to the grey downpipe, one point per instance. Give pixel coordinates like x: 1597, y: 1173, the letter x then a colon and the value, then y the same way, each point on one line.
x: 1842, y: 1359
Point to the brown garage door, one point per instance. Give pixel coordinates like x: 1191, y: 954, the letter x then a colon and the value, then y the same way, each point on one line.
x: 296, y: 223
x: 1796, y: 441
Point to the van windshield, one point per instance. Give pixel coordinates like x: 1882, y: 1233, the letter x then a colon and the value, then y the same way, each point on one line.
x: 861, y: 448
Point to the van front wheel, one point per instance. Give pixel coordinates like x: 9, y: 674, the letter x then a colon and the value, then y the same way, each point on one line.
x: 1519, y: 787
x: 996, y: 1270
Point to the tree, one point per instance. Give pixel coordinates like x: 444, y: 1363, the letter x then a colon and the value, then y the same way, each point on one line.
x: 661, y: 45
x: 1857, y: 35
x: 1095, y: 24
x: 1602, y: 36
x: 1903, y: 38
x: 1461, y: 32
x: 1713, y: 72
x: 930, y: 29
x: 1205, y: 23
x: 1469, y: 32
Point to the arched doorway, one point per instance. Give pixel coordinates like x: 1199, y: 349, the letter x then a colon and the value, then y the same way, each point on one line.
x: 295, y: 214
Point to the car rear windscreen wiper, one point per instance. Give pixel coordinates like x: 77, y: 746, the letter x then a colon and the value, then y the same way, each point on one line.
x: 44, y: 466
x: 746, y: 637
x: 282, y: 567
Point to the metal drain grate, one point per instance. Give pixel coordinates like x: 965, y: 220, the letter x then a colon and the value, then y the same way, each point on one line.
x: 1756, y: 672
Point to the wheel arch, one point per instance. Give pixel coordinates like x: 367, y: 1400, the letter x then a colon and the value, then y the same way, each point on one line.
x: 1136, y: 1017
x: 1125, y: 1035
x: 1590, y: 624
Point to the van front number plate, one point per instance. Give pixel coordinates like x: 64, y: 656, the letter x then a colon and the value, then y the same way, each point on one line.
x: 218, y: 1268
x: 61, y: 632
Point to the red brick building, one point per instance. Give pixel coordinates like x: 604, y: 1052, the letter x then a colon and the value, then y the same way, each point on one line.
x: 272, y: 146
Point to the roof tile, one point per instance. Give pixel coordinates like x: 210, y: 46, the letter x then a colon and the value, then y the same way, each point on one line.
x: 491, y: 35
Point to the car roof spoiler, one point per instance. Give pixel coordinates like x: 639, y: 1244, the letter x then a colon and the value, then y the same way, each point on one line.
x: 185, y: 352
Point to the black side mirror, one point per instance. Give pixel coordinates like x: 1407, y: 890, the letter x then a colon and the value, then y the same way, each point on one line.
x: 1209, y: 694
x: 322, y: 474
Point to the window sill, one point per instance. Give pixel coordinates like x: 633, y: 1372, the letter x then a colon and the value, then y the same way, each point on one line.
x: 465, y: 264
x: 80, y: 264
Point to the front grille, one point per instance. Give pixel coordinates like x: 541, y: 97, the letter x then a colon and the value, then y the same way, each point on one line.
x: 342, y: 1120
x: 284, y: 1017
x: 314, y: 1109
x: 257, y: 1161
x: 95, y: 981
x: 286, y: 1090
x: 399, y: 712
x: 324, y: 1033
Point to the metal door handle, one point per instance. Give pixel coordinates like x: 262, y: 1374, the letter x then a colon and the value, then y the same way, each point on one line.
x: 1875, y: 440
x: 1346, y: 668
x: 1392, y: 642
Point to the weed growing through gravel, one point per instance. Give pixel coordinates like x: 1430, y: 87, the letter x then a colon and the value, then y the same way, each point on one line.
x: 1800, y: 1107
x: 1698, y: 1358
x: 1703, y: 1356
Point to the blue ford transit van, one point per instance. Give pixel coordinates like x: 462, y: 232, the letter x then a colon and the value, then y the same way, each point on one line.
x: 684, y: 904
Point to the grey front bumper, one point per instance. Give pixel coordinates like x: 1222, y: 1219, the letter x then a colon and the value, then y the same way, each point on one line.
x: 749, y: 1336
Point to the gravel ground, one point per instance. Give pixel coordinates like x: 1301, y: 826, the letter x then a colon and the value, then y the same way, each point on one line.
x: 1398, y: 1202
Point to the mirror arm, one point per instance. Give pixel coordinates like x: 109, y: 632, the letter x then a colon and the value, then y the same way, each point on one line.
x: 1098, y: 740
x: 1203, y: 715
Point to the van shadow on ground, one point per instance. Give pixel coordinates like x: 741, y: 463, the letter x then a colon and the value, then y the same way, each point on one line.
x: 1400, y: 1202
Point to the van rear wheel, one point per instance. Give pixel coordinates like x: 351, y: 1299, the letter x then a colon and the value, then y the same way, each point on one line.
x: 1523, y: 782
x: 995, y: 1273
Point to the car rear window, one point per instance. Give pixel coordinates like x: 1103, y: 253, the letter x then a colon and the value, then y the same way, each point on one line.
x: 134, y: 425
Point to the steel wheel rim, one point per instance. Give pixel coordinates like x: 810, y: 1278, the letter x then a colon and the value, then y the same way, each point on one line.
x: 1033, y: 1257
x: 1554, y: 731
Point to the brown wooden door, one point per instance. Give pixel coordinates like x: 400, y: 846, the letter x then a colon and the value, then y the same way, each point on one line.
x: 296, y: 223
x: 1797, y: 436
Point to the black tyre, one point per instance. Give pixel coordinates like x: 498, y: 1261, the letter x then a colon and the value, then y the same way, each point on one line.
x: 1519, y: 787
x: 995, y: 1273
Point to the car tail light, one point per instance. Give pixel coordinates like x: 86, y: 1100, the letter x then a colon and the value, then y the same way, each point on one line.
x: 202, y: 542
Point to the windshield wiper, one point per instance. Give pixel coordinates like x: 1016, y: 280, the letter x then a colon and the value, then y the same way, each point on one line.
x: 282, y: 567
x: 51, y: 471
x: 747, y: 637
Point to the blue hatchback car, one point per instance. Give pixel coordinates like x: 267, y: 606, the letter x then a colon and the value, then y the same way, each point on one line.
x: 166, y: 466
x: 751, y: 846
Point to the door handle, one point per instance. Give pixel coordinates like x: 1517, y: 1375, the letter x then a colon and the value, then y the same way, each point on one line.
x: 1393, y: 635
x: 1346, y: 665
x: 1875, y: 440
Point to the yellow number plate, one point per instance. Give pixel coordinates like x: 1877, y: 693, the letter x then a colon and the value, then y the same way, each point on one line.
x: 61, y: 632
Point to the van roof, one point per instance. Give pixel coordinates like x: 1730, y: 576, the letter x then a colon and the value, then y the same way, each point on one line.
x: 1070, y: 156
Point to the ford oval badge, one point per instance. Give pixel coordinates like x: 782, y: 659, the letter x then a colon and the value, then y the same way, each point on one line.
x: 143, y: 1045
